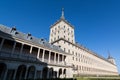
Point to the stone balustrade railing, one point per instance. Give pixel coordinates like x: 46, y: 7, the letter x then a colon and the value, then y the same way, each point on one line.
x: 28, y: 57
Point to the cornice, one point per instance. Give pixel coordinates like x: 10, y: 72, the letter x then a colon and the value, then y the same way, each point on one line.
x: 84, y: 48
x: 61, y: 19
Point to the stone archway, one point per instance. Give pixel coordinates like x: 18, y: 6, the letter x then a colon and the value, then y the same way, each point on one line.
x: 64, y: 72
x: 51, y: 73
x: 3, y: 68
x: 31, y: 72
x: 60, y: 72
x: 45, y: 71
x: 20, y: 75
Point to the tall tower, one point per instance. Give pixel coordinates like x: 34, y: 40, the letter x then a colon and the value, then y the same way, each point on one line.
x: 111, y: 59
x: 61, y: 30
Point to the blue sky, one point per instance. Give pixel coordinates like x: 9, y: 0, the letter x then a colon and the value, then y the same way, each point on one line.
x: 96, y: 22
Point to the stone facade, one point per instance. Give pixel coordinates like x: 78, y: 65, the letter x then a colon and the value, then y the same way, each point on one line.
x: 22, y: 56
x: 84, y: 61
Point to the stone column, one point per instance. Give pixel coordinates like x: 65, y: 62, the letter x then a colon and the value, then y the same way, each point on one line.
x: 14, y: 47
x: 54, y: 57
x: 38, y: 53
x: 31, y: 49
x: 58, y: 74
x: 62, y: 73
x: 21, y: 48
x: 2, y: 43
x: 49, y: 56
x: 43, y: 55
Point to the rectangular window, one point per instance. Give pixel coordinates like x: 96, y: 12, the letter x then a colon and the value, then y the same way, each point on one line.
x: 68, y: 51
x: 72, y: 52
x: 64, y: 49
x: 64, y: 26
x: 64, y: 36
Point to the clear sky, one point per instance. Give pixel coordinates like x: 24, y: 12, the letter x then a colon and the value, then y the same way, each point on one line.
x: 96, y: 22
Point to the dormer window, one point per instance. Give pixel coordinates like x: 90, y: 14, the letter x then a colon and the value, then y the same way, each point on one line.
x: 13, y: 29
x: 29, y: 36
x: 16, y: 33
x: 42, y: 39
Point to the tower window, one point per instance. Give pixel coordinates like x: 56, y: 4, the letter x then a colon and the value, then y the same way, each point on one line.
x: 76, y: 54
x: 64, y: 26
x: 64, y: 49
x: 68, y: 39
x: 64, y: 36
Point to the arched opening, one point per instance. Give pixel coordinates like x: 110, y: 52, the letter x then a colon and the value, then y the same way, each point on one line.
x: 51, y: 73
x: 3, y: 68
x: 55, y: 74
x: 64, y: 72
x: 20, y: 75
x: 60, y: 72
x: 45, y: 71
x: 31, y: 72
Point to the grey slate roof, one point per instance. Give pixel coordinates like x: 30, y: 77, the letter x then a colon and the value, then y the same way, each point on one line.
x: 61, y: 19
x: 29, y: 37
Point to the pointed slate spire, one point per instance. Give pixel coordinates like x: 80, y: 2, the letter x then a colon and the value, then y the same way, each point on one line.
x: 109, y: 56
x: 62, y: 15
